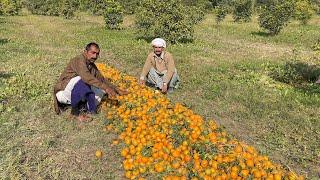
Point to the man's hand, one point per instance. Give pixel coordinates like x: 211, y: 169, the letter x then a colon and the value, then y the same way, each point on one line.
x: 142, y: 82
x: 164, y: 88
x: 122, y: 92
x: 111, y: 92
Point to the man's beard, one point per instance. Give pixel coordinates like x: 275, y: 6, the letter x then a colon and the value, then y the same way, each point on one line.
x: 92, y: 60
x: 158, y: 52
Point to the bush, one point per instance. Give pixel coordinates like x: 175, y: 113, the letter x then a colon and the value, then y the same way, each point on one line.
x: 65, y: 8
x: 216, y: 3
x: 10, y: 7
x: 295, y: 73
x: 275, y: 15
x: 196, y: 14
x: 170, y: 20
x: 303, y: 11
x: 316, y: 5
x: 68, y: 7
x: 129, y: 6
x: 43, y: 7
x: 205, y: 5
x: 242, y: 10
x: 113, y: 15
x: 221, y: 13
x: 96, y: 7
x: 316, y: 46
x: 222, y: 8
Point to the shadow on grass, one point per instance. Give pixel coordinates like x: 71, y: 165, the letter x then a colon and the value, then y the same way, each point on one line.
x: 3, y: 41
x: 4, y: 75
x: 300, y: 75
x: 261, y: 33
x: 149, y: 39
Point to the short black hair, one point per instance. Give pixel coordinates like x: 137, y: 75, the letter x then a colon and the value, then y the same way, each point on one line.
x: 88, y: 46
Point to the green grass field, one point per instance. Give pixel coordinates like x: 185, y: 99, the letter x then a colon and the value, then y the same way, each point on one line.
x: 232, y: 72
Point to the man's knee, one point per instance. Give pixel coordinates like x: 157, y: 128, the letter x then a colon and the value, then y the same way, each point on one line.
x: 62, y: 98
x: 99, y: 94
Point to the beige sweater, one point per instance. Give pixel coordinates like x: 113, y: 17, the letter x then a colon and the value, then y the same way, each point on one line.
x: 160, y: 63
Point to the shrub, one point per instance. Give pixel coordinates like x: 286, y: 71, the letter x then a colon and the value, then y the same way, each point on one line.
x: 275, y: 15
x: 113, y: 15
x: 242, y: 10
x: 170, y: 20
x: 96, y: 7
x: 65, y: 8
x: 44, y: 7
x: 68, y: 7
x: 303, y: 11
x: 216, y: 3
x: 316, y: 5
x: 295, y: 73
x: 129, y: 6
x: 221, y: 13
x: 202, y: 4
x: 222, y: 8
x: 196, y: 14
x: 316, y: 46
x: 9, y: 7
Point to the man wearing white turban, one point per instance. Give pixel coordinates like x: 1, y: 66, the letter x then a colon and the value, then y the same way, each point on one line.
x: 159, y: 70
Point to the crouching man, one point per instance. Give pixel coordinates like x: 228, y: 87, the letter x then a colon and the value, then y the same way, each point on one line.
x: 159, y: 70
x: 82, y: 86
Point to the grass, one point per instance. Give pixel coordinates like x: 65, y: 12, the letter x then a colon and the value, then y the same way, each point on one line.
x: 228, y: 74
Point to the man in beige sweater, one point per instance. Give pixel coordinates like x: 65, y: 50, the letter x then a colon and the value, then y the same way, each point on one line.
x: 159, y: 70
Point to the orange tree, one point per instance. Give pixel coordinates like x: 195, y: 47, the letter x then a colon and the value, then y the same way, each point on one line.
x: 170, y: 141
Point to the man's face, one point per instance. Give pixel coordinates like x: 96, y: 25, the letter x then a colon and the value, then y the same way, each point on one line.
x: 92, y: 54
x: 157, y: 50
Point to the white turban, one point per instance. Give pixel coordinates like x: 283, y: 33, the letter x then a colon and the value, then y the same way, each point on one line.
x: 159, y: 42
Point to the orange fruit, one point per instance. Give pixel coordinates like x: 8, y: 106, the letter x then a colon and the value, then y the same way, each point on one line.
x: 158, y: 168
x: 99, y: 154
x: 244, y: 172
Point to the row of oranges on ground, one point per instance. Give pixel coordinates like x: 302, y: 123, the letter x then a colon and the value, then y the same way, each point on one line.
x: 169, y: 141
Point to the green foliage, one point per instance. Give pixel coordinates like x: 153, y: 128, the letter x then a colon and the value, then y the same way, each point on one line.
x: 65, y: 8
x: 113, y: 15
x: 275, y: 15
x: 316, y: 5
x: 203, y: 4
x: 170, y: 20
x: 196, y: 14
x: 215, y: 3
x: 68, y: 7
x: 96, y: 7
x: 296, y: 73
x: 222, y: 8
x: 43, y: 7
x: 129, y: 6
x: 303, y: 11
x: 197, y: 9
x: 316, y: 46
x: 10, y: 7
x: 242, y: 10
x: 221, y: 13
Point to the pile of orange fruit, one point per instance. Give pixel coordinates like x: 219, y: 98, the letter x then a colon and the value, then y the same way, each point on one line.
x: 162, y: 140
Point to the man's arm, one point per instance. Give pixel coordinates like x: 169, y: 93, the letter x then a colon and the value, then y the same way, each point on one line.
x: 103, y: 79
x: 109, y: 84
x: 171, y: 68
x: 80, y: 67
x: 146, y: 68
